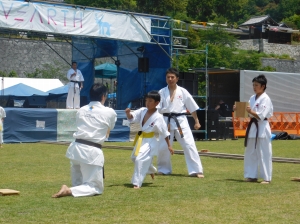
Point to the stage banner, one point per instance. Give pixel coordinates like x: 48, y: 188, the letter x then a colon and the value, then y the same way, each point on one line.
x: 68, y: 20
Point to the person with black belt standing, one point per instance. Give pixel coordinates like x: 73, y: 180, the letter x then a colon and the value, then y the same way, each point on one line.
x: 174, y: 103
x: 258, y: 146
x: 75, y: 85
x: 93, y: 122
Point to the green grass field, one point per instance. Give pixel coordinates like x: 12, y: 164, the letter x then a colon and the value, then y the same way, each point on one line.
x: 38, y: 170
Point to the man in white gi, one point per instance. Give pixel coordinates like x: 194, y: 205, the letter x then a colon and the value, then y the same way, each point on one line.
x: 75, y: 85
x: 258, y: 152
x: 146, y: 143
x: 174, y: 103
x: 93, y: 123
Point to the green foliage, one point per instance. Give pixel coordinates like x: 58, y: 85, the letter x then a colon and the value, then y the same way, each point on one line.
x: 217, y: 36
x: 268, y: 69
x: 49, y: 71
x: 10, y: 74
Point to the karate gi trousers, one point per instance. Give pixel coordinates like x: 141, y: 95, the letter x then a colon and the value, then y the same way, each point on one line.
x: 142, y: 166
x: 87, y: 180
x: 191, y: 155
x: 261, y: 157
x: 73, y: 99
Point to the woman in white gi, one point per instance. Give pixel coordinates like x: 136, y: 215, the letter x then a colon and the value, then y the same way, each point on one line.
x: 258, y: 152
x: 2, y: 116
x: 175, y: 101
x: 146, y: 142
x: 93, y: 122
x: 76, y: 79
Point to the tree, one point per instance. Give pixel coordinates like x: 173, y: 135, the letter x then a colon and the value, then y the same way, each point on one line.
x: 200, y: 10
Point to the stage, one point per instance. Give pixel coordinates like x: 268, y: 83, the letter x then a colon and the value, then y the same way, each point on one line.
x: 54, y: 125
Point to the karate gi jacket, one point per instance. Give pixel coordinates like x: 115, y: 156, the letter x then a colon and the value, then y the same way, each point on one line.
x: 78, y: 78
x: 155, y: 124
x: 93, y: 122
x: 264, y: 109
x: 182, y: 101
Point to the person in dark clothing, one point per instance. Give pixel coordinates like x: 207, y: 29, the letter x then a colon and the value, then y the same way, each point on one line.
x: 222, y: 108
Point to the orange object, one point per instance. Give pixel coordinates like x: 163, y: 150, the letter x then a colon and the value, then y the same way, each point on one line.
x: 281, y: 121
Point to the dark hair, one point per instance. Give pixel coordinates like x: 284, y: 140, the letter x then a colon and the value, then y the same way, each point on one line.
x: 153, y: 95
x: 173, y: 71
x: 74, y: 62
x: 97, y: 91
x: 261, y: 79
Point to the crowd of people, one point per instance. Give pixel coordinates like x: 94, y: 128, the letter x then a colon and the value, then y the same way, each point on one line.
x: 162, y: 120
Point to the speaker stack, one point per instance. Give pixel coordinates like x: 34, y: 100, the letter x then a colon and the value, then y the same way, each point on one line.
x: 212, y: 124
x: 143, y: 65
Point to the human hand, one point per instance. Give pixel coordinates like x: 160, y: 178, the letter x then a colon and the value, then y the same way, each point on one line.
x: 248, y: 109
x: 171, y: 150
x: 197, y: 125
x: 234, y: 107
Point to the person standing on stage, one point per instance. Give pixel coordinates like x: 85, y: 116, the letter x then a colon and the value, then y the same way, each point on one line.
x: 174, y: 103
x: 152, y: 127
x: 2, y: 116
x: 76, y: 79
x: 93, y: 122
x: 258, y: 152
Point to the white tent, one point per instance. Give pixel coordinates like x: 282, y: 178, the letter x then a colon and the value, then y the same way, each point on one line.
x: 40, y: 84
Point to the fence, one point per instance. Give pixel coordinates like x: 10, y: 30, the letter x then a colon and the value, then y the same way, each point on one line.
x: 281, y: 121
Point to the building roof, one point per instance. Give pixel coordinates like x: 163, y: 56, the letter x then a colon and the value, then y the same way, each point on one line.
x: 266, y: 19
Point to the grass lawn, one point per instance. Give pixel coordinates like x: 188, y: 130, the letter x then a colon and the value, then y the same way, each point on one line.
x: 38, y: 170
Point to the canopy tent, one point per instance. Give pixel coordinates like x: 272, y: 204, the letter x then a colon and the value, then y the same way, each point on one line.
x: 22, y: 90
x: 37, y: 83
x: 106, y: 71
x: 59, y: 90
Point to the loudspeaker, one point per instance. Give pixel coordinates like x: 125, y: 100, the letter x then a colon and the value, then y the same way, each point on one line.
x: 143, y: 65
x: 35, y: 102
x: 189, y: 81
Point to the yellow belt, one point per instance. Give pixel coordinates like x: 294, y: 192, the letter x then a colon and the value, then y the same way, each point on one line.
x: 139, y: 137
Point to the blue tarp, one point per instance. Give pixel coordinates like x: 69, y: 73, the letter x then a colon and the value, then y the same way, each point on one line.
x: 59, y: 90
x: 22, y: 90
x: 24, y: 125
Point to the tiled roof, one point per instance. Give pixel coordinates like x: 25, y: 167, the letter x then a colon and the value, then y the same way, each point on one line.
x: 258, y: 19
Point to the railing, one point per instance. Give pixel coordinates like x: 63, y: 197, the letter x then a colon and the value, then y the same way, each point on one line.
x: 281, y: 121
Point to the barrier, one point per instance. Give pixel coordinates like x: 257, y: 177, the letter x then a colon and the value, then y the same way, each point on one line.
x: 281, y: 121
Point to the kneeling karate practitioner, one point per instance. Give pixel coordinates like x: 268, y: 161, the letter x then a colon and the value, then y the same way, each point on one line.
x: 258, y: 152
x: 146, y: 141
x: 175, y: 101
x: 93, y: 123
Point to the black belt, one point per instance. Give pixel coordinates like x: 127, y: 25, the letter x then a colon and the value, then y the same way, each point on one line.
x: 255, y: 121
x: 74, y: 85
x: 85, y: 142
x: 174, y: 116
x: 89, y: 143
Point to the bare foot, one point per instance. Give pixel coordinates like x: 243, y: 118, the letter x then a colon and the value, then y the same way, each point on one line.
x: 152, y: 175
x: 136, y: 187
x: 200, y: 175
x: 64, y: 191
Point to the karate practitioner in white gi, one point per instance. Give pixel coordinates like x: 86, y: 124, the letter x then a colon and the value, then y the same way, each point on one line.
x: 258, y: 151
x: 75, y: 85
x: 152, y: 127
x: 93, y: 123
x: 2, y: 116
x: 174, y: 103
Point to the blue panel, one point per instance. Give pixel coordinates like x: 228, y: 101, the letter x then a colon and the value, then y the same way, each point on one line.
x: 20, y: 125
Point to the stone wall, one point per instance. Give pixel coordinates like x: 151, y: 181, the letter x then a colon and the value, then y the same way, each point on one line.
x: 269, y: 48
x: 24, y: 56
x: 281, y: 65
